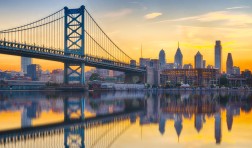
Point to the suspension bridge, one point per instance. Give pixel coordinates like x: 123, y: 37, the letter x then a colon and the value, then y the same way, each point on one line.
x: 70, y: 36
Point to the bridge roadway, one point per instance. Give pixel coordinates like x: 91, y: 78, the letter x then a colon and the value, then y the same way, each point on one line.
x: 34, y: 51
x: 43, y: 130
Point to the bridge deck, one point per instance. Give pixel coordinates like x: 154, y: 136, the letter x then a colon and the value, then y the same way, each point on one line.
x: 60, y: 56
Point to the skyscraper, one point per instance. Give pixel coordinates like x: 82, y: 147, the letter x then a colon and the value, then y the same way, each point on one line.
x: 24, y: 63
x: 229, y: 64
x: 218, y: 55
x: 162, y: 58
x: 34, y: 71
x: 178, y: 60
x: 204, y: 63
x: 198, y: 60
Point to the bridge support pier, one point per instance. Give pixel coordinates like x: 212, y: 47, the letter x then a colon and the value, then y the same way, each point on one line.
x: 74, y: 108
x: 74, y: 44
x: 74, y: 73
x: 74, y: 137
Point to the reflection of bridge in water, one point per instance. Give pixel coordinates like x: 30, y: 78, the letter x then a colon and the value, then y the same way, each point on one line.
x: 104, y: 129
x: 91, y: 133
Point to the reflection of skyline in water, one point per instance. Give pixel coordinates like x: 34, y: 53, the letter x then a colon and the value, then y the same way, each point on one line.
x: 159, y: 108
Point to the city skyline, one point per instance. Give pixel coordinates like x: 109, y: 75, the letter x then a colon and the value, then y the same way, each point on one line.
x: 155, y: 25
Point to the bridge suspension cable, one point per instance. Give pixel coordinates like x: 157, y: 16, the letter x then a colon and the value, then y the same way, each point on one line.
x: 49, y: 32
x: 46, y: 32
x: 98, y: 43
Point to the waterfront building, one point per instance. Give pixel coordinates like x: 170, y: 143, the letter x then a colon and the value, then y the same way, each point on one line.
x: 198, y: 60
x: 34, y: 71
x: 178, y: 59
x: 57, y: 76
x: 246, y: 73
x: 218, y: 55
x: 210, y: 66
x: 103, y: 72
x: 188, y: 66
x: 144, y: 62
x: 169, y: 66
x: 193, y: 77
x: 229, y: 64
x: 24, y: 63
x: 162, y: 58
x: 155, y: 63
x: 236, y: 70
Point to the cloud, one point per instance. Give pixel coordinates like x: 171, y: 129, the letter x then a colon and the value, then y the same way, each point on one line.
x: 238, y: 7
x: 152, y: 15
x: 119, y: 13
x: 223, y: 18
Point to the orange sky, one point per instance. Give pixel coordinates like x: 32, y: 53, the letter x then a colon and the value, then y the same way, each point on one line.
x: 156, y: 25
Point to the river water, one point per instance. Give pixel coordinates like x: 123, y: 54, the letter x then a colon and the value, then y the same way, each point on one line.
x: 125, y: 119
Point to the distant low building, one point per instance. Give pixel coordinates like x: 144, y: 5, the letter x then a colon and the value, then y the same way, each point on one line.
x: 236, y: 70
x: 210, y: 66
x: 169, y: 66
x: 188, y: 66
x: 246, y: 74
x: 144, y: 62
x: 193, y: 77
x: 57, y: 76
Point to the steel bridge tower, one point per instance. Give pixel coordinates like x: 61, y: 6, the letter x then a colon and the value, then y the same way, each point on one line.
x: 74, y: 43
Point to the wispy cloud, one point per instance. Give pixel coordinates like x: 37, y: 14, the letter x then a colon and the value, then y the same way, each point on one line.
x: 238, y: 7
x: 152, y: 15
x: 119, y: 13
x: 224, y: 18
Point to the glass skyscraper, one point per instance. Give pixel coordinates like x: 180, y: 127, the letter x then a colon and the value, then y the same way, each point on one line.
x: 178, y: 60
x: 198, y: 60
x: 218, y: 55
x: 24, y: 63
x: 162, y: 58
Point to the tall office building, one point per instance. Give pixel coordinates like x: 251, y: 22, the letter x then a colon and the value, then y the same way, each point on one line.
x: 24, y: 63
x: 178, y: 60
x: 162, y: 58
x: 34, y: 71
x: 204, y: 63
x: 229, y: 64
x: 198, y: 60
x: 218, y: 55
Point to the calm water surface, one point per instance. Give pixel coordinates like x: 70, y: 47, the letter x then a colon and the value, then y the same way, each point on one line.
x: 125, y: 119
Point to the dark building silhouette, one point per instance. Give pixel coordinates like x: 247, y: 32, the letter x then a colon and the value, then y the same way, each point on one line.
x: 229, y: 117
x: 198, y: 122
x: 162, y: 125
x: 178, y: 124
x: 178, y: 59
x: 229, y: 64
x: 218, y: 128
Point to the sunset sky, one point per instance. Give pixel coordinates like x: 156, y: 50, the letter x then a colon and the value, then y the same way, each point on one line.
x: 156, y: 24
